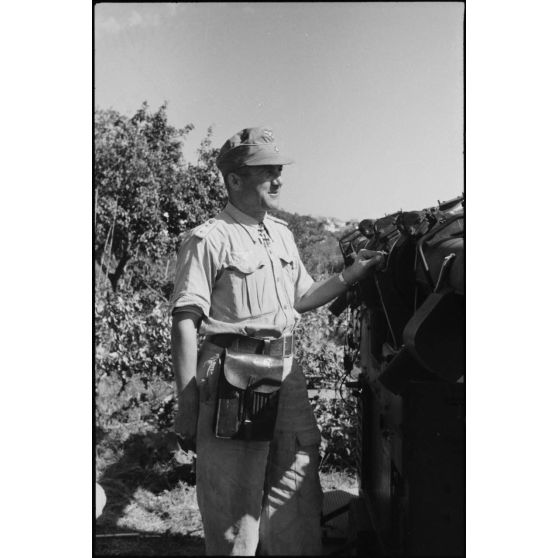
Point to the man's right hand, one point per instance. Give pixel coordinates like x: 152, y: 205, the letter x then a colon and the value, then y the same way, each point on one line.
x: 186, y: 420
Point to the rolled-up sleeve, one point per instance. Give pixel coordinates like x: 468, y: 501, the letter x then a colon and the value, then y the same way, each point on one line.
x: 303, y: 280
x: 196, y: 269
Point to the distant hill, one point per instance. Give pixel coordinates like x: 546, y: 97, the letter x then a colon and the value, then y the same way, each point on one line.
x: 317, y: 239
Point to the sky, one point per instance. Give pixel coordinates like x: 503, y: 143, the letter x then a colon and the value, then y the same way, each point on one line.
x: 367, y: 98
x: 512, y: 118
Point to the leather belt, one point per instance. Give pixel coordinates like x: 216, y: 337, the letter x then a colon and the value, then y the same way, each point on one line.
x: 282, y: 346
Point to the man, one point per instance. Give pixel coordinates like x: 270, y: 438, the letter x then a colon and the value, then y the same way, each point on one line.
x: 239, y: 277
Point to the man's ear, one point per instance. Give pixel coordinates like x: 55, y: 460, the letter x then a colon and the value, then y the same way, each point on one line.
x: 234, y: 182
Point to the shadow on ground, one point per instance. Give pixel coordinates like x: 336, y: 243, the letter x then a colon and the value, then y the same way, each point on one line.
x: 149, y: 484
x: 160, y: 546
x: 151, y: 507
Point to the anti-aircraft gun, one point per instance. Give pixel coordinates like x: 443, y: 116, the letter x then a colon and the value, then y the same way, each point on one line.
x: 405, y: 352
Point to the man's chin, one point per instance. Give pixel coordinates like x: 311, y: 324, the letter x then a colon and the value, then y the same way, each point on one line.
x: 273, y: 201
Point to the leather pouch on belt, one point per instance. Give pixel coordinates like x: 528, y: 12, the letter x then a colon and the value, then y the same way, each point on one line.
x: 247, y: 395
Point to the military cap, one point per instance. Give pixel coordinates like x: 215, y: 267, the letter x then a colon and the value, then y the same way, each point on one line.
x: 248, y: 148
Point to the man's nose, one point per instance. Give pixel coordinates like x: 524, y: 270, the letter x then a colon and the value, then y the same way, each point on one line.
x: 277, y: 181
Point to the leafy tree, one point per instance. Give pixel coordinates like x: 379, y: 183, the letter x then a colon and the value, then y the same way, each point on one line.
x: 318, y: 247
x: 145, y: 193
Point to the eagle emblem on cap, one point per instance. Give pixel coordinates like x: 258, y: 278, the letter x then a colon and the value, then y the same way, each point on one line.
x: 268, y: 133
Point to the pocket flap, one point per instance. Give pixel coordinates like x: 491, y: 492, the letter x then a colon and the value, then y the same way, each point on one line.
x: 286, y: 259
x: 263, y: 373
x: 245, y: 262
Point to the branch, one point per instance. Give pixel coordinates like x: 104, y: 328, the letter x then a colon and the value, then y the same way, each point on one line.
x: 150, y: 288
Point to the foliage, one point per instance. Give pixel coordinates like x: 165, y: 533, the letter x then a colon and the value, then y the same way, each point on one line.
x: 145, y: 194
x: 318, y: 247
x: 319, y: 348
x: 133, y: 372
x: 337, y: 420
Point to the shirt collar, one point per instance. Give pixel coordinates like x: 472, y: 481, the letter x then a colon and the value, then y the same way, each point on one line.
x: 248, y: 223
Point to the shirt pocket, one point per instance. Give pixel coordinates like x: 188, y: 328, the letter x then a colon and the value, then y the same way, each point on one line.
x: 288, y: 267
x: 242, y: 279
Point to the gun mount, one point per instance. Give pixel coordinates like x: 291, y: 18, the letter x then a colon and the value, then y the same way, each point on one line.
x: 407, y: 322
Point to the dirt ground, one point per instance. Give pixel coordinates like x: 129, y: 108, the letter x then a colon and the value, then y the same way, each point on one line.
x: 168, y: 523
x: 149, y: 546
x: 151, y: 507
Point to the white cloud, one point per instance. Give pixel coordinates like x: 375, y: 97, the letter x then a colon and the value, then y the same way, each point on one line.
x: 135, y: 19
x: 173, y: 9
x: 147, y: 19
x: 109, y: 25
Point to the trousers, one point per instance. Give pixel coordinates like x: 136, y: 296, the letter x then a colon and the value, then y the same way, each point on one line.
x: 255, y: 496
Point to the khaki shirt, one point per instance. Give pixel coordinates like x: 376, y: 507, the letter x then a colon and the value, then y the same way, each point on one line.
x: 245, y: 286
x: 239, y: 283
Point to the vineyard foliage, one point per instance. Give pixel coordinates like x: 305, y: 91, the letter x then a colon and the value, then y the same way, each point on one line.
x: 146, y: 198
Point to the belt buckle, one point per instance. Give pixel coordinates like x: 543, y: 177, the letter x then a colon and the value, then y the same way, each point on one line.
x: 273, y: 348
x: 267, y: 347
x: 288, y: 345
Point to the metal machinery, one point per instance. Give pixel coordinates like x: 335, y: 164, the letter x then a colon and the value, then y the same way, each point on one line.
x: 405, y: 348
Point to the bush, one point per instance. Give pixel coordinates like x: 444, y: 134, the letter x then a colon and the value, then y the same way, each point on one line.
x: 134, y: 380
x: 135, y: 385
x: 320, y: 344
x: 319, y: 347
x: 337, y: 421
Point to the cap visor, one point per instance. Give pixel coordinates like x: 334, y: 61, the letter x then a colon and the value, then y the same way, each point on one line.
x: 268, y: 159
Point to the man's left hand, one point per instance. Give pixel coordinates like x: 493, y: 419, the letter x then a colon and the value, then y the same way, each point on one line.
x: 365, y: 261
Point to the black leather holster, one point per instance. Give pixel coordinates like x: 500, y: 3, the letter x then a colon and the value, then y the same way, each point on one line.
x: 247, y: 395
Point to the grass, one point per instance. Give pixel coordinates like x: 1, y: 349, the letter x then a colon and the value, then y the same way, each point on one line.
x: 151, y: 504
